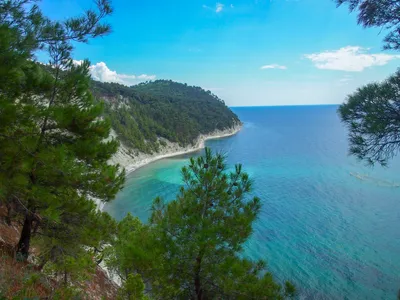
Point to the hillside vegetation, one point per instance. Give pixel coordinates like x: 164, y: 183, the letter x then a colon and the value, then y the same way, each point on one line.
x: 55, y: 159
x: 142, y: 114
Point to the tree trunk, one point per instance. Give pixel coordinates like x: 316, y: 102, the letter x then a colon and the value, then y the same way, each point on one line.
x: 9, y: 212
x: 25, y: 238
x: 197, y: 281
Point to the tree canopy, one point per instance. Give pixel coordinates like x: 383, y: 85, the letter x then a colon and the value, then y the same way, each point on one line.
x: 372, y: 113
x: 53, y: 154
x: 54, y: 163
x: 191, y: 248
x: 142, y: 114
x: 379, y: 13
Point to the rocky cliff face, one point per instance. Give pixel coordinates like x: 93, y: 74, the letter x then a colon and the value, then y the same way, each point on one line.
x: 131, y: 158
x: 156, y: 117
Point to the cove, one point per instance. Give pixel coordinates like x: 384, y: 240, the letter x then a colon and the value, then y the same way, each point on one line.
x: 329, y: 223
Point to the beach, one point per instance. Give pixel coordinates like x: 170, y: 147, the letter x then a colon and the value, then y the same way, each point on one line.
x: 132, y: 160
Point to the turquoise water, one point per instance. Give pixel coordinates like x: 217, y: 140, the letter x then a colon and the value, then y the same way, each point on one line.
x: 334, y: 235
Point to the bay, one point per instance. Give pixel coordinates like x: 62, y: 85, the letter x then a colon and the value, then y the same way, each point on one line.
x: 329, y: 223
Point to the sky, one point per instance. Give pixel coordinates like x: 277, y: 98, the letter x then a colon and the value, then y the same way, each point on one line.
x: 248, y: 52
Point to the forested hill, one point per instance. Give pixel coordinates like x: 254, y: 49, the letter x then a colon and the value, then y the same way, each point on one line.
x: 142, y: 114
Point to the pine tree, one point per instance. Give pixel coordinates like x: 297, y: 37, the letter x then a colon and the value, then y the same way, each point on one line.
x: 372, y: 113
x: 196, y: 241
x: 53, y: 154
x: 133, y: 288
x: 133, y: 249
x: 384, y: 14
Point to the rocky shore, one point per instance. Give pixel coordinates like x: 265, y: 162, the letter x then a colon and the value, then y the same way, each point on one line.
x: 131, y: 161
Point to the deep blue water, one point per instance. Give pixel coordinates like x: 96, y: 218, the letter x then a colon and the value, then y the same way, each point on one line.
x: 335, y: 236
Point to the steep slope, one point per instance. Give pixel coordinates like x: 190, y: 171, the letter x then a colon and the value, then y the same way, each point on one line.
x: 163, y: 116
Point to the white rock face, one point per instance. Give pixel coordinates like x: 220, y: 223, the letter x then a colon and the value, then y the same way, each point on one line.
x: 131, y: 159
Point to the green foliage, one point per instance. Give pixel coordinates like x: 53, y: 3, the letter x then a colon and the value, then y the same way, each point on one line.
x: 194, y: 243
x: 54, y: 161
x: 125, y: 257
x: 174, y: 111
x: 53, y: 154
x: 132, y: 288
x: 372, y: 115
x: 379, y: 13
x: 133, y: 254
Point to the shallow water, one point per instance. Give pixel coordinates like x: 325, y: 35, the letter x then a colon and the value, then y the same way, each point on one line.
x: 336, y: 236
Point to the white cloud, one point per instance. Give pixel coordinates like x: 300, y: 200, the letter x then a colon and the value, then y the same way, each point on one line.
x: 350, y: 59
x: 219, y: 7
x: 273, y: 66
x: 77, y: 62
x: 102, y: 73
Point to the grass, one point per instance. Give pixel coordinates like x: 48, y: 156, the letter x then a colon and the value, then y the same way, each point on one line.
x: 23, y: 280
x: 20, y: 280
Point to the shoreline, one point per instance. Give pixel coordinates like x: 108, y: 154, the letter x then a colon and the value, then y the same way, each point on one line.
x: 133, y: 163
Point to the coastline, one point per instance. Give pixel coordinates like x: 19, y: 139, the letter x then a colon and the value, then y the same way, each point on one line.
x: 133, y: 162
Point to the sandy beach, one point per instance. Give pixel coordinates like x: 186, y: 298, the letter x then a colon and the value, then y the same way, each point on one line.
x: 132, y: 161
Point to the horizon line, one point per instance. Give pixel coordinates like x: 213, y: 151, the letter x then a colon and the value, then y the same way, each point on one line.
x: 283, y: 105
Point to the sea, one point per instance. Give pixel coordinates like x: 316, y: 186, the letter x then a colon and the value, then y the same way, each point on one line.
x: 329, y: 223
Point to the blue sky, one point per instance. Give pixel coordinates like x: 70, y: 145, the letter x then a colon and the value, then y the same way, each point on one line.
x: 248, y: 52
